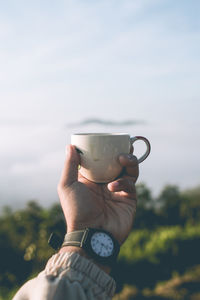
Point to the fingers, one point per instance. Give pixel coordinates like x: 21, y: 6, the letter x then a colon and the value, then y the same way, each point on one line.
x: 125, y: 184
x: 130, y: 163
x: 70, y: 171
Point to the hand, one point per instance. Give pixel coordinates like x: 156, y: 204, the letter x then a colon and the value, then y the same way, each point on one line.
x: 110, y: 206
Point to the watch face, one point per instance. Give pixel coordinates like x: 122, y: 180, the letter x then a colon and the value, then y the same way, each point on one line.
x: 102, y: 244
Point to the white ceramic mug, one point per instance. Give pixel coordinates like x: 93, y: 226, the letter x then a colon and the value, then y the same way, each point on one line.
x: 100, y: 151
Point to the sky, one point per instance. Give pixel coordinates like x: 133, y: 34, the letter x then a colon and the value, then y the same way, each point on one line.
x: 66, y: 62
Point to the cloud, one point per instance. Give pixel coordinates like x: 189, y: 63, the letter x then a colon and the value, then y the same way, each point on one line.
x: 110, y: 123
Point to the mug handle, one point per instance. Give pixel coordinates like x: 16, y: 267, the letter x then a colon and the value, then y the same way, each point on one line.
x: 144, y: 156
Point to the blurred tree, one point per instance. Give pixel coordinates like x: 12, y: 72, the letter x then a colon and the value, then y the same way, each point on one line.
x: 57, y: 220
x: 145, y: 199
x: 170, y: 201
x: 23, y: 240
x: 190, y: 207
x: 146, y: 215
x: 24, y: 234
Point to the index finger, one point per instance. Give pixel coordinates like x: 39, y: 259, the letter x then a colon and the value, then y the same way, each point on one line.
x: 70, y: 169
x: 130, y: 163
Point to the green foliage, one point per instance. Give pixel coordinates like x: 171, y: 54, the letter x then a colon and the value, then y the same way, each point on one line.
x: 147, y: 216
x: 171, y: 200
x: 23, y: 242
x: 190, y: 208
x: 179, y: 287
x: 165, y: 240
x: 171, y: 207
x: 149, y: 245
x: 149, y: 256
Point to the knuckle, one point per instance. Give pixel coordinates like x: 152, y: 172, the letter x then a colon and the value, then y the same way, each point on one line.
x: 121, y: 184
x: 134, y: 160
x: 126, y: 185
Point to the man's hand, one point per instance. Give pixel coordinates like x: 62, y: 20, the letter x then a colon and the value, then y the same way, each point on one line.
x: 108, y: 206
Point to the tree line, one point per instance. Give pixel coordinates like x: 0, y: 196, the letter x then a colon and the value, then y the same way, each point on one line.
x: 24, y: 233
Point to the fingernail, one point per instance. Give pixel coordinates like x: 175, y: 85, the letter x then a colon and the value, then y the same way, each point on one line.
x: 115, y: 184
x: 112, y: 185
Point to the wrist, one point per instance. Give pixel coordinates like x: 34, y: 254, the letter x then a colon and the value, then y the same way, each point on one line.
x: 83, y: 253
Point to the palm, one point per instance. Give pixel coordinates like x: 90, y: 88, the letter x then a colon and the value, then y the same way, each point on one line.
x: 113, y: 212
x: 87, y: 204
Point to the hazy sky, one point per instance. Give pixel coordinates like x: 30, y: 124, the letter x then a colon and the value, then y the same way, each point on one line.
x: 63, y: 62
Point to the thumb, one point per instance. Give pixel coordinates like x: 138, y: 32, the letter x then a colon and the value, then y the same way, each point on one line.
x: 70, y: 171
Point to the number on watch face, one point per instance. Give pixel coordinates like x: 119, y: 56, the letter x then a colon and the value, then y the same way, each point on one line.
x: 102, y: 244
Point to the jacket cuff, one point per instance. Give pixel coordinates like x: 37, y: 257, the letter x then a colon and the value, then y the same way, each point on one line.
x: 78, y: 268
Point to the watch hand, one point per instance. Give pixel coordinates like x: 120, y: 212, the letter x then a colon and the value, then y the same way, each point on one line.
x: 105, y: 246
x: 101, y: 247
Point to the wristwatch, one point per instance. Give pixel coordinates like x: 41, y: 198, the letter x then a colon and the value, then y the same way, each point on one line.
x: 97, y: 243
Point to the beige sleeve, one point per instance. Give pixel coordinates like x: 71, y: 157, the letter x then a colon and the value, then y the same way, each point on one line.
x: 68, y: 276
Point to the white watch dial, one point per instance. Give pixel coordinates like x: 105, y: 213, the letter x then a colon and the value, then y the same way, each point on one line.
x: 102, y: 244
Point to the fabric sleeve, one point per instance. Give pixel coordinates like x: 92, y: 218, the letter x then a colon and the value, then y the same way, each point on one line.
x: 68, y: 276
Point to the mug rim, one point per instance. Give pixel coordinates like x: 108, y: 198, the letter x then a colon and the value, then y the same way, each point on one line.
x: 100, y: 134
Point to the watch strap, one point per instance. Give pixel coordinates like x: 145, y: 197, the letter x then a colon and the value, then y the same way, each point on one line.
x: 75, y: 238
x: 55, y: 241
